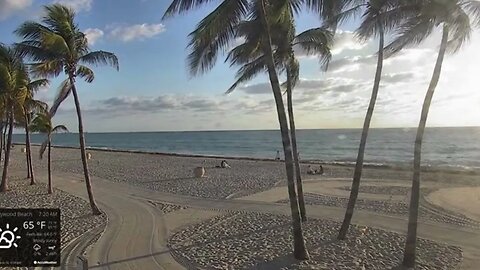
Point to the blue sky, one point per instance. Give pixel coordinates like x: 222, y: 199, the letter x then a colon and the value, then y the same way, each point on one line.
x: 153, y: 90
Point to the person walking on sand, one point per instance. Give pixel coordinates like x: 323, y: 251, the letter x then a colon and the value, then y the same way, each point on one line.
x: 277, y: 157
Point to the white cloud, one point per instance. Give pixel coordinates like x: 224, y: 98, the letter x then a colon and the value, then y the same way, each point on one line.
x: 9, y: 7
x: 136, y: 32
x: 77, y: 5
x: 344, y: 41
x: 93, y: 35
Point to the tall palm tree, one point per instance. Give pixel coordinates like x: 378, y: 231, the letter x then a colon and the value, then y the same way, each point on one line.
x: 252, y: 60
x: 13, y: 90
x: 455, y: 19
x: 214, y: 34
x: 43, y: 123
x: 379, y: 17
x: 23, y: 117
x: 57, y: 44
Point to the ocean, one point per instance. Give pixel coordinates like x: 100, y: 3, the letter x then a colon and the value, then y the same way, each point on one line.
x: 443, y: 147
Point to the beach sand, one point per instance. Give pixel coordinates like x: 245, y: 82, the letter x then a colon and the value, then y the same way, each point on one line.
x: 251, y: 187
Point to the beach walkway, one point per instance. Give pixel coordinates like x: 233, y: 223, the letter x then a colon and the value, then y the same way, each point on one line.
x: 137, y: 231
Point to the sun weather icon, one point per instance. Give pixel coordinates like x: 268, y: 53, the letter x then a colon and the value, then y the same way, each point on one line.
x: 8, y: 237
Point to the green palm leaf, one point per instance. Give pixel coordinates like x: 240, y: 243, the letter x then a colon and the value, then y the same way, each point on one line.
x: 100, y: 58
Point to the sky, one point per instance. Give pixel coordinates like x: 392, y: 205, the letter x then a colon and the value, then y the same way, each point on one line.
x: 153, y: 91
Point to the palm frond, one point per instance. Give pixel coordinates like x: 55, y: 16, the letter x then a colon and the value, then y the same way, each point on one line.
x: 213, y: 34
x: 60, y: 128
x: 28, y: 50
x: 38, y: 84
x: 43, y: 147
x: 459, y: 29
x: 412, y: 32
x: 64, y: 91
x: 100, y: 58
x: 85, y: 73
x: 316, y: 41
x: 472, y: 8
x: 390, y: 15
x: 182, y: 6
x: 42, y: 123
x: 35, y: 106
x: 247, y: 72
x: 345, y: 15
x: 327, y: 10
x: 47, y: 69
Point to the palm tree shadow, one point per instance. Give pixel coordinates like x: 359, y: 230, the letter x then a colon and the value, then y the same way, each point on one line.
x: 400, y: 267
x: 277, y: 263
x: 288, y: 260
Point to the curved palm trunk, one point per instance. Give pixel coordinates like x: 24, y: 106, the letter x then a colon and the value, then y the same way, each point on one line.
x: 301, y: 200
x: 299, y: 249
x: 93, y: 205
x: 4, y: 184
x: 50, y: 187
x: 29, y: 152
x: 411, y: 243
x: 357, y: 175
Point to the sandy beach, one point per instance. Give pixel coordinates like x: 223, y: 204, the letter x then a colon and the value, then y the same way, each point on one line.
x: 238, y: 217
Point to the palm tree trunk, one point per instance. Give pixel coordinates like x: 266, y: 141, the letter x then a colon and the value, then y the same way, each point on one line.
x: 299, y: 249
x: 4, y: 136
x: 93, y: 205
x: 411, y: 243
x: 50, y: 188
x: 4, y: 184
x: 1, y: 140
x: 29, y: 151
x: 26, y: 152
x: 301, y: 200
x: 357, y: 175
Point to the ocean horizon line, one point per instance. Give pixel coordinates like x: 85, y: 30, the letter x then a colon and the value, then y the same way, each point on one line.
x: 249, y: 130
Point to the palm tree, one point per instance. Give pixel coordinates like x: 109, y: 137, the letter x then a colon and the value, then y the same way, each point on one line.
x: 216, y: 33
x: 23, y: 117
x: 455, y: 17
x: 13, y: 90
x: 313, y: 41
x: 57, y: 44
x: 43, y: 123
x: 379, y: 17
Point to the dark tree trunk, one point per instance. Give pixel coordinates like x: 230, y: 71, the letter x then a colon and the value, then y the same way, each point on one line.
x: 93, y: 205
x: 50, y: 187
x: 29, y: 151
x: 301, y: 200
x: 357, y: 175
x: 4, y: 136
x: 299, y: 249
x: 26, y: 152
x: 1, y: 139
x: 4, y: 184
x: 411, y: 243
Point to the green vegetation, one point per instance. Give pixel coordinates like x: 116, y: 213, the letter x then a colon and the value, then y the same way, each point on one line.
x: 52, y: 46
x: 43, y: 123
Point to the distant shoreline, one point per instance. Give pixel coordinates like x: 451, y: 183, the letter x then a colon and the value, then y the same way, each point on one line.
x: 398, y: 167
x: 248, y: 130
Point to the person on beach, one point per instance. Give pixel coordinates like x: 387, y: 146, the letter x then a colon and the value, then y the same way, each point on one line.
x: 320, y: 170
x: 224, y: 164
x: 313, y: 172
x: 277, y: 157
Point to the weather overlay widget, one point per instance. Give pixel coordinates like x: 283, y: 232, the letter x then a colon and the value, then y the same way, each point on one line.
x: 29, y: 237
